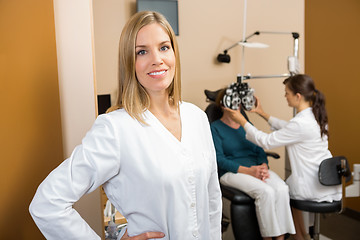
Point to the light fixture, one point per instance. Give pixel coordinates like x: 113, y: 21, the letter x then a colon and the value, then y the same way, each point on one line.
x: 293, y: 65
x: 225, y: 57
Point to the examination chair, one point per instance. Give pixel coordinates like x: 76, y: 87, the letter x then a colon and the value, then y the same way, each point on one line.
x: 242, y: 217
x: 332, y: 171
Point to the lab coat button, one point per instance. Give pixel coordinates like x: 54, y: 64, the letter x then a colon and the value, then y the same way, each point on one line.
x: 191, y: 179
x: 195, y: 233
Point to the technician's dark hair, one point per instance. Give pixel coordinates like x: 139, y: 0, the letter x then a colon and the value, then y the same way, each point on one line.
x: 304, y: 85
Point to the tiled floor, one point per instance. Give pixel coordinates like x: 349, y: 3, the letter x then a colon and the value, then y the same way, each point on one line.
x: 338, y: 227
x: 332, y: 227
x: 322, y: 237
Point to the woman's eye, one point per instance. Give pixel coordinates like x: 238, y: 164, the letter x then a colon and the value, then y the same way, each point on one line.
x: 164, y: 48
x: 141, y: 52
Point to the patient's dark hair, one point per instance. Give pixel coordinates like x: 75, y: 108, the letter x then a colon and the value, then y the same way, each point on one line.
x: 304, y: 85
x: 219, y: 97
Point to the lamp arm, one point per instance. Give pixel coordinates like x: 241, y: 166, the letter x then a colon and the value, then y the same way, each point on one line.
x: 241, y: 41
x: 295, y: 35
x: 240, y: 78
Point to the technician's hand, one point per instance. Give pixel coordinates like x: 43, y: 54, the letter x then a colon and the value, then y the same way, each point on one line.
x: 259, y: 110
x: 236, y: 116
x: 143, y: 236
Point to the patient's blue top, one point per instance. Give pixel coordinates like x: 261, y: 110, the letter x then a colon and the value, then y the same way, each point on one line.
x: 233, y: 150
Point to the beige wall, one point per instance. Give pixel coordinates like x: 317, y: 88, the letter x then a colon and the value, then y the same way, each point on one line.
x: 30, y: 143
x: 73, y: 24
x: 206, y: 28
x: 332, y: 59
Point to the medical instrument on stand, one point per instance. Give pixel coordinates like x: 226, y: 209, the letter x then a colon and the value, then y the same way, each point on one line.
x: 353, y: 190
x: 239, y: 92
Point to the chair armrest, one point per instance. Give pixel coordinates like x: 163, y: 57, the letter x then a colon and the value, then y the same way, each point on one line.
x: 235, y: 196
x: 273, y: 155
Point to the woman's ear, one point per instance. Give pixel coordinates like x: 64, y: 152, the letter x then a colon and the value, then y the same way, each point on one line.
x: 298, y: 96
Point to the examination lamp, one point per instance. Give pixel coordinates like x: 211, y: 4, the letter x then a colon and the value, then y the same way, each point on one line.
x: 225, y: 57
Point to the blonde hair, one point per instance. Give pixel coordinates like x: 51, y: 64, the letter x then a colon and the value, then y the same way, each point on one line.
x: 132, y: 96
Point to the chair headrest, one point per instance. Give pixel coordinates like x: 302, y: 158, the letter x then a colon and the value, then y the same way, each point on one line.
x: 211, y: 95
x: 214, y: 112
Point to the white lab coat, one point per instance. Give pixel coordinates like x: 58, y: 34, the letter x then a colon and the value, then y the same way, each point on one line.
x: 306, y: 149
x: 157, y: 182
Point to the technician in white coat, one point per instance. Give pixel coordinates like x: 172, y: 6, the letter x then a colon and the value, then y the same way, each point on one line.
x: 153, y: 153
x: 306, y: 140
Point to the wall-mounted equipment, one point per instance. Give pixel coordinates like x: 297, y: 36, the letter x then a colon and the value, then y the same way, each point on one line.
x: 353, y: 190
x: 293, y: 64
x: 168, y: 8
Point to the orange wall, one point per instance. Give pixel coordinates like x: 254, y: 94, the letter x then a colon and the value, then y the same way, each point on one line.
x: 31, y: 142
x: 332, y: 53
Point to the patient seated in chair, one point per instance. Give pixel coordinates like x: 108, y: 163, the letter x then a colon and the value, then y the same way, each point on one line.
x: 244, y: 166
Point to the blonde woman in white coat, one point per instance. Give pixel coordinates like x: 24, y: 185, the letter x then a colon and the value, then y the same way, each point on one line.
x: 306, y: 140
x: 153, y: 153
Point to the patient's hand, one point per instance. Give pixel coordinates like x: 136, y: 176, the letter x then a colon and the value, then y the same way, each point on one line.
x: 265, y: 171
x: 260, y: 171
x: 143, y: 236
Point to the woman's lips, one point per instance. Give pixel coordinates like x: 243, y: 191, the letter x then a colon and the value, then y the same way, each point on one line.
x: 157, y: 73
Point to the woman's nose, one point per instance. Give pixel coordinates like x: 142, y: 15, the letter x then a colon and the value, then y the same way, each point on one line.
x: 157, y: 58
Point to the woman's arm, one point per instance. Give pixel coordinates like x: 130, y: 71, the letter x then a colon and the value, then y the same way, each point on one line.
x: 275, y: 123
x: 229, y: 165
x: 89, y: 166
x: 222, y: 161
x: 259, y: 110
x: 291, y: 133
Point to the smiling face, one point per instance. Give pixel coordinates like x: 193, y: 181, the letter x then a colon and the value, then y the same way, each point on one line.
x: 155, y: 59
